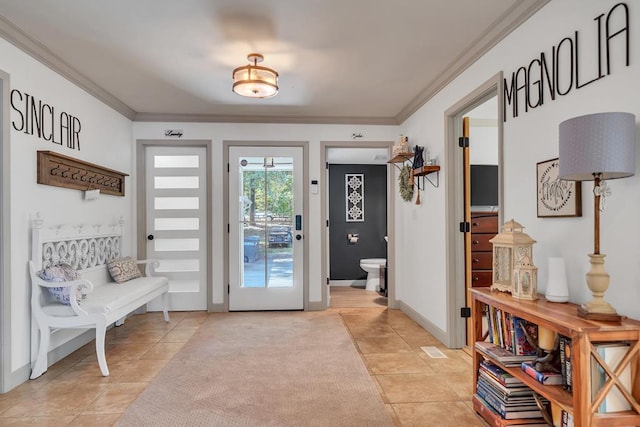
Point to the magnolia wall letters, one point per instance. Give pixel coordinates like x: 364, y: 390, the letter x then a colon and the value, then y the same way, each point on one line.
x: 559, y: 72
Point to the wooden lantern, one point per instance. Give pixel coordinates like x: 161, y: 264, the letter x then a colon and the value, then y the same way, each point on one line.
x: 508, y: 248
x: 525, y: 280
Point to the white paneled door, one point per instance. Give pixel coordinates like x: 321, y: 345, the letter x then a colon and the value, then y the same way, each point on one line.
x: 176, y: 196
x: 265, y: 228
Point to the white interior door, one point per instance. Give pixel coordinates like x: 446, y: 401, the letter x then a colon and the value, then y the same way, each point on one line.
x: 265, y: 228
x: 176, y: 196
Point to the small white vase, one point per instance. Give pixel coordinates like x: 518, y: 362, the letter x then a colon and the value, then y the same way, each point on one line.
x: 557, y: 288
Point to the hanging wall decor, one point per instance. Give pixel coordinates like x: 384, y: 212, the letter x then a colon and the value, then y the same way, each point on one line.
x: 406, y: 188
x: 354, y: 191
x: 556, y: 197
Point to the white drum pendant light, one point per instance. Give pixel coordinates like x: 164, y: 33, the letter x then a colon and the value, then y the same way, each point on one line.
x: 255, y: 81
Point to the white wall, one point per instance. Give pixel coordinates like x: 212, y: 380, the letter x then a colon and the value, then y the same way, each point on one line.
x: 105, y: 139
x: 313, y: 134
x: 530, y: 138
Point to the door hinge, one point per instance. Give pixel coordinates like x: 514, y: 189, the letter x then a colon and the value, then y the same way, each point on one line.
x: 326, y: 165
x: 465, y: 227
x: 327, y: 280
x: 327, y: 223
x: 228, y: 228
x: 228, y: 288
x: 463, y: 142
x: 465, y: 312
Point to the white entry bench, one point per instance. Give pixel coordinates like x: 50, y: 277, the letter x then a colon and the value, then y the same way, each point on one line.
x: 87, y: 249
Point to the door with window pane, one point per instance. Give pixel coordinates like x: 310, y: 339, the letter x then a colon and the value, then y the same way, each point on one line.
x: 265, y: 228
x: 176, y: 193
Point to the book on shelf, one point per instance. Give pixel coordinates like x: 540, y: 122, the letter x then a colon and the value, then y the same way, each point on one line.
x: 502, y: 355
x: 546, y: 378
x: 567, y: 419
x: 611, y: 354
x: 502, y: 376
x: 565, y: 362
x: 522, y: 343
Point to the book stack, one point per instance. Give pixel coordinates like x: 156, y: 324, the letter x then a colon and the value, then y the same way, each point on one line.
x: 499, y: 374
x: 502, y: 355
x: 512, y: 401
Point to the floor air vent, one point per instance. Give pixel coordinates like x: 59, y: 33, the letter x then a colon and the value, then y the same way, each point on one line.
x: 434, y: 352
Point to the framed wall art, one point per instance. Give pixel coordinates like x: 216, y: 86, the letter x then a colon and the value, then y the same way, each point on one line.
x: 354, y: 192
x: 556, y: 197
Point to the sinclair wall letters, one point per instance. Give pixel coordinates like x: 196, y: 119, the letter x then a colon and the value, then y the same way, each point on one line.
x: 559, y: 72
x: 35, y: 117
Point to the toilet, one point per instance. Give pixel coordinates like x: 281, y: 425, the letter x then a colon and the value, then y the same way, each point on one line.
x: 372, y: 267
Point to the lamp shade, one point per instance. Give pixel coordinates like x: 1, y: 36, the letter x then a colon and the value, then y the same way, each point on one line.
x: 601, y: 143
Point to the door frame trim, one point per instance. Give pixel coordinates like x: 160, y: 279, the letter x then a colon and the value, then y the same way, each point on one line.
x: 392, y: 302
x: 305, y: 209
x: 8, y: 380
x: 454, y: 208
x: 141, y: 202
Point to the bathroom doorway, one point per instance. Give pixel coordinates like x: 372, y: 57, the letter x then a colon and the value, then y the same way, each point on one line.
x: 357, y: 216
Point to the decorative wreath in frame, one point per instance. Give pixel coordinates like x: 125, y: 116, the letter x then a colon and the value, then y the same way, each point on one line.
x: 406, y: 189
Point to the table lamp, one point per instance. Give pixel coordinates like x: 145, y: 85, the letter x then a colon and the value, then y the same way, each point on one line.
x: 597, y: 147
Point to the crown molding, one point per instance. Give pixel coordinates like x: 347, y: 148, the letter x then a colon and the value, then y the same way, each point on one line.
x: 502, y: 27
x: 14, y: 35
x: 223, y: 118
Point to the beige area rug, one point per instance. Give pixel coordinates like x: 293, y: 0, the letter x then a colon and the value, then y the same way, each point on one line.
x: 263, y: 369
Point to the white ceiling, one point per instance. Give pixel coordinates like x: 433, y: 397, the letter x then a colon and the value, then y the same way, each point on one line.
x: 340, y: 61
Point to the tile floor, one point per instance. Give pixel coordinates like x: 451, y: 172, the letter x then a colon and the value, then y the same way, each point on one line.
x: 417, y: 390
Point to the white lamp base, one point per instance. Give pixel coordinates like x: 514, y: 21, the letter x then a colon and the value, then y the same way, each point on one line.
x: 598, y: 282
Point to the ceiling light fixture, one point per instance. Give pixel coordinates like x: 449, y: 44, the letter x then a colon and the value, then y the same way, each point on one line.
x: 255, y: 81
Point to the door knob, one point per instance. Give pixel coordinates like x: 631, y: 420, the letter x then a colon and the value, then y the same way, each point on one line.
x: 150, y: 237
x: 298, y: 237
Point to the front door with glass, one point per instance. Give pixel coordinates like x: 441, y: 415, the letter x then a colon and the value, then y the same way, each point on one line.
x: 265, y: 228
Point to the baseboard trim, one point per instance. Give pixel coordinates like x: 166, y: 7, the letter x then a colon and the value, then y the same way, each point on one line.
x: 15, y: 378
x: 315, y: 306
x: 217, y: 308
x: 438, y: 333
x: 358, y: 283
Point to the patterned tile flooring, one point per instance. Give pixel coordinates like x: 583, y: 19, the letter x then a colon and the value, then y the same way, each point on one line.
x: 417, y: 390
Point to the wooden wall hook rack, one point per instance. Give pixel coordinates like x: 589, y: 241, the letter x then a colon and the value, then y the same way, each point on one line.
x: 63, y: 171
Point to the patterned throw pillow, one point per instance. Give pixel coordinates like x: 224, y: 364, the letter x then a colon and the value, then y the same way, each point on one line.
x: 62, y: 273
x: 123, y: 269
